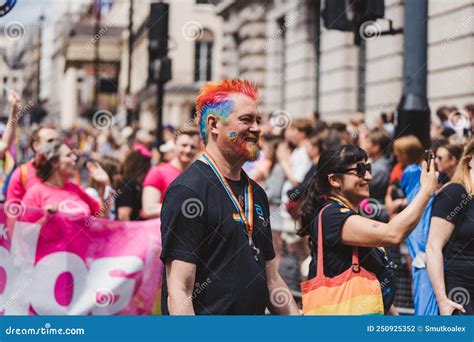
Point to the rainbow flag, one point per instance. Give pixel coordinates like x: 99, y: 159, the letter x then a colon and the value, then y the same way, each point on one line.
x: 236, y: 217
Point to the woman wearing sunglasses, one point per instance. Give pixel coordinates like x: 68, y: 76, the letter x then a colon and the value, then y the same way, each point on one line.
x: 341, y: 183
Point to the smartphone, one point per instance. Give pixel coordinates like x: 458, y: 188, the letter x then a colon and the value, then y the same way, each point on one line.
x: 429, y: 156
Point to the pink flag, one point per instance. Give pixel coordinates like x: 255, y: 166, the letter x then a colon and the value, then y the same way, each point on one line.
x: 75, y: 265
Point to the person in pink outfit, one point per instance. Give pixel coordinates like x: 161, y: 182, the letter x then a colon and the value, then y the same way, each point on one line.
x: 161, y: 176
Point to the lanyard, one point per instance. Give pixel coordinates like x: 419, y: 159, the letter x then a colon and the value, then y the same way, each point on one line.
x: 245, y: 215
x: 341, y: 201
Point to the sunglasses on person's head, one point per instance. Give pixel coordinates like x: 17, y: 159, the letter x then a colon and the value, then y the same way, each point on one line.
x: 360, y: 169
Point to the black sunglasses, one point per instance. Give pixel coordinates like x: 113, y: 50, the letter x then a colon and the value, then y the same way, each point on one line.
x: 361, y: 169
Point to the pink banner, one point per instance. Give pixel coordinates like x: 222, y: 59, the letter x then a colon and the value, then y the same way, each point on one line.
x: 72, y: 265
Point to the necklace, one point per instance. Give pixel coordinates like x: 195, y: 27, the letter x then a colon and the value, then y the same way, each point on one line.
x: 53, y: 185
x: 242, y: 193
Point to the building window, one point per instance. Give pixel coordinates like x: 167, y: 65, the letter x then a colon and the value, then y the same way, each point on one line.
x: 192, y: 111
x: 203, y: 2
x: 203, y: 58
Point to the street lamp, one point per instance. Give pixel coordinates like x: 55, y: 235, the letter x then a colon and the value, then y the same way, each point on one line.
x: 97, y: 10
x: 41, y: 21
x: 413, y: 111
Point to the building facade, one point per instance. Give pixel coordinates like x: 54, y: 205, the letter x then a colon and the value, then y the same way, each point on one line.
x: 79, y: 52
x: 195, y: 44
x: 10, y: 72
x: 303, y: 67
x: 30, y: 59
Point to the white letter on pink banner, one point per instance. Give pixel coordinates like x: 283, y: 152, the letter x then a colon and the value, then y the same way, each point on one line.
x: 46, y: 275
x: 19, y: 266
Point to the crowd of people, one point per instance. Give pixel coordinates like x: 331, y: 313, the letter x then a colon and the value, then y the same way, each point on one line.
x: 301, y: 177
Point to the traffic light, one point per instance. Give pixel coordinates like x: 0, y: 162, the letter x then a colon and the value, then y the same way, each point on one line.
x: 349, y: 15
x: 374, y: 9
x: 365, y: 11
x: 158, y: 30
x: 337, y: 15
x: 157, y: 39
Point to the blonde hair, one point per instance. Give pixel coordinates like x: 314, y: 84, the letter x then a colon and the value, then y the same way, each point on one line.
x: 462, y: 174
x: 410, y: 148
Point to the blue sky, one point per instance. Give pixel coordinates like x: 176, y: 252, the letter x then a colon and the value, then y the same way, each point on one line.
x: 26, y: 11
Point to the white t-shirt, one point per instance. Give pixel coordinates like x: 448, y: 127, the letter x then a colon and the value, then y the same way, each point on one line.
x: 300, y: 165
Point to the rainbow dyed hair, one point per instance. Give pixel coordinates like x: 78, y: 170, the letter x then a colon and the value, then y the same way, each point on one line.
x: 214, y: 99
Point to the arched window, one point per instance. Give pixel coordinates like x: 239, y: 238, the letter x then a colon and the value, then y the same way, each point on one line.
x: 203, y: 57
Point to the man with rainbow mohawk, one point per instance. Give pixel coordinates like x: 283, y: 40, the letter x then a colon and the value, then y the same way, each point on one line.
x: 216, y: 234
x: 217, y: 101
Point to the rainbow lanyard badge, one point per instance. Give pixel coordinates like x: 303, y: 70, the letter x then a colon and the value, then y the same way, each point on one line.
x: 246, y: 214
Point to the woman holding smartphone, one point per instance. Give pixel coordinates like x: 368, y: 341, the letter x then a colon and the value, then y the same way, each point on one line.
x: 341, y: 183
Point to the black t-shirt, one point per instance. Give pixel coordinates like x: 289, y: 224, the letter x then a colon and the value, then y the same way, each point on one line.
x: 443, y: 178
x: 337, y: 257
x: 198, y: 225
x: 454, y: 204
x: 130, y: 195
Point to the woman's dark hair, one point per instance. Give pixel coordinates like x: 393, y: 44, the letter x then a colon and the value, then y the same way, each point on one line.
x: 112, y: 167
x: 316, y: 140
x: 442, y: 113
x: 47, y: 157
x: 318, y: 189
x: 453, y: 150
x: 271, y: 152
x: 134, y: 165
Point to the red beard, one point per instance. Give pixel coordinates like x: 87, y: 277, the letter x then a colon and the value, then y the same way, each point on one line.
x: 244, y: 149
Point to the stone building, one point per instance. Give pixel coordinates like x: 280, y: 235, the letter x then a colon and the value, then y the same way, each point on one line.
x: 10, y: 72
x: 302, y: 67
x: 19, y: 64
x: 74, y: 64
x: 195, y: 43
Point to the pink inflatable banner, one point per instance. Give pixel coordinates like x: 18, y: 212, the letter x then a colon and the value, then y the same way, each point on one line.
x: 75, y: 265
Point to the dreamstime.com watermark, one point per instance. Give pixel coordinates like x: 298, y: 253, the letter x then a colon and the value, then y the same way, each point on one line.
x: 462, y: 204
x: 102, y: 210
x: 198, y: 288
x: 18, y: 294
x: 102, y: 32
x: 282, y: 207
x: 289, y: 21
x: 46, y: 330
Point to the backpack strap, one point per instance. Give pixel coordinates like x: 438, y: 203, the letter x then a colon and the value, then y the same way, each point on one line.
x: 23, y: 175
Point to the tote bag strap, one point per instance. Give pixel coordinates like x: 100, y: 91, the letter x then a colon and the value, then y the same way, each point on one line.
x: 355, y: 260
x: 320, y: 263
